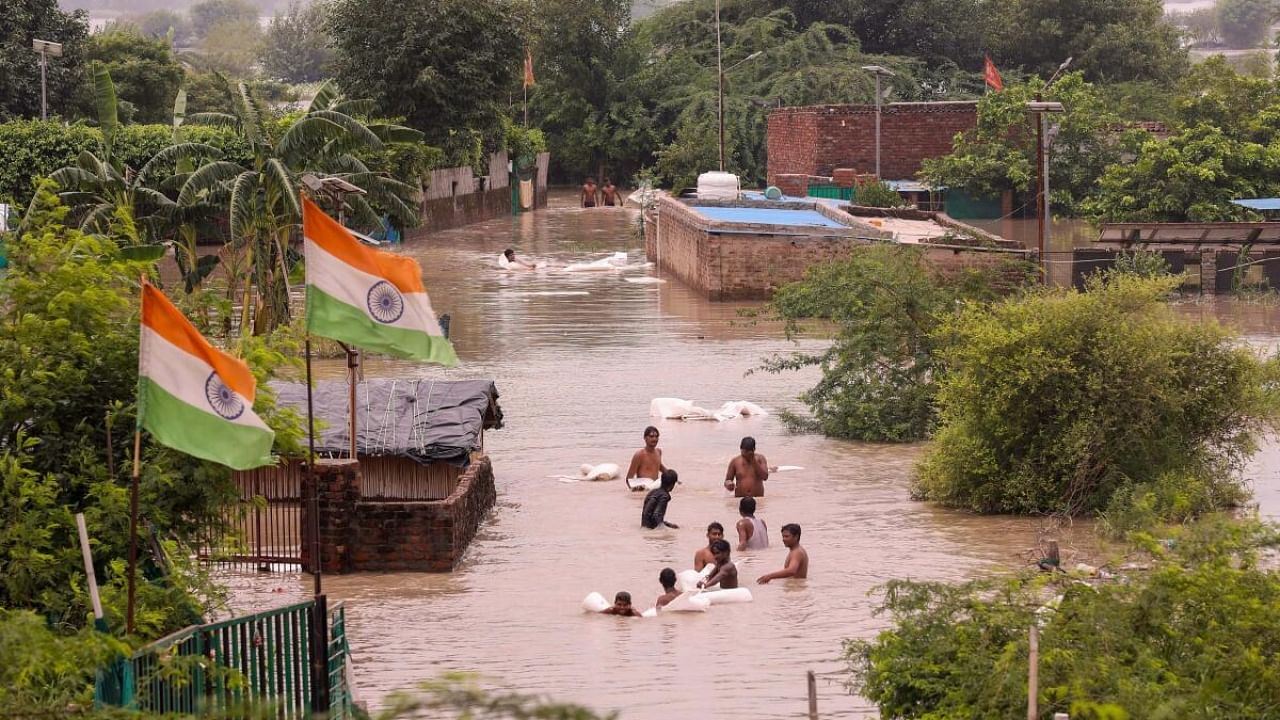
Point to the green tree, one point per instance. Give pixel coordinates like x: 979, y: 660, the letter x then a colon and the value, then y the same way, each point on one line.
x: 1246, y: 23
x: 20, y: 73
x: 1109, y: 41
x: 261, y: 198
x: 208, y: 14
x: 443, y: 65
x: 144, y: 71
x: 933, y: 31
x: 1193, y: 637
x: 999, y: 154
x: 164, y: 24
x: 880, y: 375
x: 1061, y: 401
x: 297, y: 48
x: 231, y: 47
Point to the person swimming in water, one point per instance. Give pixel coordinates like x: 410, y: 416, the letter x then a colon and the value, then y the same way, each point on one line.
x: 622, y: 606
x: 752, y: 532
x: 669, y: 592
x: 511, y: 263
x: 726, y: 574
x: 704, y: 556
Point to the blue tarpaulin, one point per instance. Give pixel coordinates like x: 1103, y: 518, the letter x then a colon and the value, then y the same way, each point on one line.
x: 1259, y: 203
x: 768, y: 216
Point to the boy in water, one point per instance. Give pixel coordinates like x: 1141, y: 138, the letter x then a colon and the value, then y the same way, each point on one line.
x: 589, y: 193
x: 797, y: 565
x: 609, y: 193
x: 726, y: 574
x: 646, y: 463
x: 669, y: 592
x: 704, y: 556
x: 654, y: 512
x: 622, y: 606
x: 752, y: 533
x: 510, y: 256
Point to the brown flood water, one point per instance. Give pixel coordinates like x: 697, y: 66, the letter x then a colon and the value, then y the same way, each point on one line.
x: 577, y: 358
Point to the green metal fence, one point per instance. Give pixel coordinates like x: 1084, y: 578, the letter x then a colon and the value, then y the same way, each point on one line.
x: 260, y: 661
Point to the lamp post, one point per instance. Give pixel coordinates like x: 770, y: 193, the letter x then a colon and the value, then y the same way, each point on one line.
x: 879, y: 72
x: 45, y: 48
x: 720, y: 105
x: 1039, y: 107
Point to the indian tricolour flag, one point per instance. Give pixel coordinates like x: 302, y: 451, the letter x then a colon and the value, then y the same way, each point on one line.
x: 193, y: 397
x: 371, y: 299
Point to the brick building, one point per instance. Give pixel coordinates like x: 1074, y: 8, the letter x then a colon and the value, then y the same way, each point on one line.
x: 815, y: 140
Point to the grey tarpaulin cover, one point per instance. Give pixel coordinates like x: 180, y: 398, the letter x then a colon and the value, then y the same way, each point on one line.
x: 422, y: 419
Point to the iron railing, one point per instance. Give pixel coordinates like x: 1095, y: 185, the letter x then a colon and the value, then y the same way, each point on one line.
x: 252, y: 663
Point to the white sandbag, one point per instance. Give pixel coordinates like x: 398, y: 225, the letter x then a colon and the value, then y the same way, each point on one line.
x: 723, y: 597
x: 645, y: 484
x: 786, y: 468
x: 601, y: 472
x: 645, y: 280
x: 676, y: 409
x: 687, y: 602
x: 503, y: 262
x: 595, y: 603
x: 650, y: 613
x: 739, y: 408
x: 687, y: 580
x: 718, y: 186
x: 613, y: 262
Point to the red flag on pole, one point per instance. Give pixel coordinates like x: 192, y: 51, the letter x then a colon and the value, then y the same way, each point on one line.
x: 528, y: 68
x: 991, y: 74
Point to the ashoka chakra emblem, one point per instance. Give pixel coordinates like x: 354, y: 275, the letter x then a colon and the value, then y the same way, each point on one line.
x: 386, y: 304
x: 221, y: 398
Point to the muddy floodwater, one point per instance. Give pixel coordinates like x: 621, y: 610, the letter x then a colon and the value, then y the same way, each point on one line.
x: 577, y: 359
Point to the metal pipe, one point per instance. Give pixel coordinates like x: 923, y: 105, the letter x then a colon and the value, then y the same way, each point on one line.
x: 720, y: 85
x: 878, y: 126
x: 44, y: 96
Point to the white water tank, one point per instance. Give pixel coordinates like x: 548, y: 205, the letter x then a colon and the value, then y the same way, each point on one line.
x: 718, y: 186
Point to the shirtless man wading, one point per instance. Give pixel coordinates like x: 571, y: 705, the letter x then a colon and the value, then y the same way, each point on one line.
x: 647, y: 462
x: 747, y: 472
x: 797, y: 564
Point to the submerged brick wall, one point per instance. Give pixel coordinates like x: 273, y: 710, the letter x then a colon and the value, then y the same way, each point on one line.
x: 374, y: 535
x: 816, y: 140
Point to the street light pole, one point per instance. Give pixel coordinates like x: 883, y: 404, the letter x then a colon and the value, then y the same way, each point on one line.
x: 720, y: 85
x: 45, y: 48
x: 1039, y: 108
x: 878, y: 71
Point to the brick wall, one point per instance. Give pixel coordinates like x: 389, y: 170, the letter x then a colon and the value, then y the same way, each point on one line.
x: 816, y: 140
x: 372, y: 535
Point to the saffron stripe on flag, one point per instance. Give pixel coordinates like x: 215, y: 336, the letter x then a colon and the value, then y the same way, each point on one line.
x: 324, y: 231
x: 168, y: 322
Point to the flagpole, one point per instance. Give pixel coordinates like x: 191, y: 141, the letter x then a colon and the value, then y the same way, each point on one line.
x: 316, y: 565
x: 133, y: 529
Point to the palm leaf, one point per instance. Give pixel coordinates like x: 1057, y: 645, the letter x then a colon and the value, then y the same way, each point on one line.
x: 104, y: 99
x: 179, y: 114
x: 155, y: 197
x: 207, y: 178
x: 243, y: 204
x: 143, y: 253
x: 278, y: 176
x: 247, y: 110
x: 389, y: 133
x: 74, y: 177
x: 98, y: 218
x: 325, y: 96
x: 356, y: 129
x: 174, y: 153
x: 89, y: 162
x: 307, y: 132
x: 363, y: 107
x: 215, y: 119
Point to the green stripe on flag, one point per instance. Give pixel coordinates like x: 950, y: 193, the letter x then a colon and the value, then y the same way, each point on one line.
x: 329, y: 317
x: 188, y: 429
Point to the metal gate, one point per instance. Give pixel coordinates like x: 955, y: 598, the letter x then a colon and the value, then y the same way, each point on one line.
x: 263, y: 530
x: 258, y: 662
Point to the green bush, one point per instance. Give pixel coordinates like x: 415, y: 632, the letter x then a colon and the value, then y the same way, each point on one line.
x: 1056, y: 402
x: 32, y: 149
x: 1195, y: 637
x: 879, y: 377
x: 876, y: 193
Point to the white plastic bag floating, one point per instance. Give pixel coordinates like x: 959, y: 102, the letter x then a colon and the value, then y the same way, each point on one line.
x: 593, y: 473
x: 595, y: 603
x: 687, y: 602
x: 722, y: 597
x: 613, y: 262
x: 679, y: 409
x: 601, y: 472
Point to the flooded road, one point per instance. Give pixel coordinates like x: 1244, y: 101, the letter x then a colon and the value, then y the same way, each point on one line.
x: 577, y: 359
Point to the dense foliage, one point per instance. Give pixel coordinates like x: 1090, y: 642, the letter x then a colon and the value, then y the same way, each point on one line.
x: 146, y: 74
x: 999, y: 154
x: 297, y: 48
x: 444, y: 65
x: 880, y: 375
x: 21, y: 21
x: 1195, y: 637
x: 1063, y: 402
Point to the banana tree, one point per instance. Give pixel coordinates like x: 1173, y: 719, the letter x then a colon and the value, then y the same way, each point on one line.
x: 103, y: 193
x: 261, y: 203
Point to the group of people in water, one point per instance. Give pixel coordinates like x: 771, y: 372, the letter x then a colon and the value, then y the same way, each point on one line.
x: 605, y: 194
x: 745, y: 477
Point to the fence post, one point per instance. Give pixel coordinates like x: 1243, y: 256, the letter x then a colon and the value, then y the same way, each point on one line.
x: 1033, y: 672
x: 813, y: 696
x: 320, y: 655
